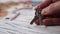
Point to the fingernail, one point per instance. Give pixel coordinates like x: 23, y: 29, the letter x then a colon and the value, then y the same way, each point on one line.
x: 46, y: 21
x: 44, y: 12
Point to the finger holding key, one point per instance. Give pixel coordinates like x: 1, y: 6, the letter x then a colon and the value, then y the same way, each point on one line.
x: 43, y: 4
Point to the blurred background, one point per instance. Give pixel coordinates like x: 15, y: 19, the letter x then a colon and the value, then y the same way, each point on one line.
x: 16, y: 15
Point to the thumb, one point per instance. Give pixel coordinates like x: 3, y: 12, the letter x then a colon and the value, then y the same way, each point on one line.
x: 43, y: 4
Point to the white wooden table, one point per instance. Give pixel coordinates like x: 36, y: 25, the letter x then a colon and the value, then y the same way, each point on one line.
x: 21, y: 25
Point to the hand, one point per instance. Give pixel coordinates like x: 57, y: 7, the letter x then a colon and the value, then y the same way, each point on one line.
x: 50, y: 9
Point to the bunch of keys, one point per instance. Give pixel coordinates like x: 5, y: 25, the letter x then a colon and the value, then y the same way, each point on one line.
x: 38, y: 15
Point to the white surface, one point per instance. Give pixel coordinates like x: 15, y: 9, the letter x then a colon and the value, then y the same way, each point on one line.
x: 21, y: 25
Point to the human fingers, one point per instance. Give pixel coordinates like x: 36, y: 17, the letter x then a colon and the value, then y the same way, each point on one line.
x: 52, y: 9
x: 51, y: 21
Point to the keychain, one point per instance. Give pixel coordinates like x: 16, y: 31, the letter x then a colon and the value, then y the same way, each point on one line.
x: 38, y: 16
